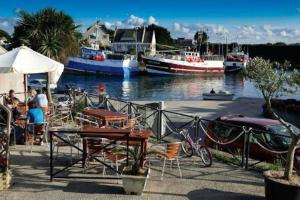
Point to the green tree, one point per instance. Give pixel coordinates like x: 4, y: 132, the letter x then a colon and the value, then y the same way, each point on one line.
x: 5, y: 34
x: 50, y: 32
x: 273, y: 82
x: 200, y: 37
x: 279, y: 44
x: 163, y: 36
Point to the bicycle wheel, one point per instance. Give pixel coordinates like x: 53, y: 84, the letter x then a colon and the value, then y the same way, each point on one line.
x: 187, y: 148
x: 205, y: 155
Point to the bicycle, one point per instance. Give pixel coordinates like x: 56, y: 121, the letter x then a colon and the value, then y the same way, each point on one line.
x: 189, y: 147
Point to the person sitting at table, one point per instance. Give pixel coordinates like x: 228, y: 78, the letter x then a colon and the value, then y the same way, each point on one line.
x: 35, y: 118
x: 15, y: 115
x: 41, y: 101
x: 9, y: 99
x: 32, y: 95
x: 14, y: 109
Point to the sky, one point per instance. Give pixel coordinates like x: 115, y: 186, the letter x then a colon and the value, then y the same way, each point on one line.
x: 242, y: 21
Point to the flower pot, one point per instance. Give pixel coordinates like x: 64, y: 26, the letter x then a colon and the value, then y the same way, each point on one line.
x: 275, y: 190
x: 5, y: 179
x: 134, y: 184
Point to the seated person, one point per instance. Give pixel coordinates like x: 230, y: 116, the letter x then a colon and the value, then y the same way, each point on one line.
x: 35, y: 114
x: 41, y: 101
x: 9, y: 99
x: 35, y: 118
x: 14, y: 109
x: 32, y: 95
x: 18, y: 131
x: 212, y: 91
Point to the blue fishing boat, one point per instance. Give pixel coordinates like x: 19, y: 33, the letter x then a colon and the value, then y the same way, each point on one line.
x: 92, y: 61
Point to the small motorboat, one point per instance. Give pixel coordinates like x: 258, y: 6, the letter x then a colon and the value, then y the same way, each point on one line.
x: 221, y: 95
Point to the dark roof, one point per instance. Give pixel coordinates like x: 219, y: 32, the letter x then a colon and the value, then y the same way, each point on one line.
x: 184, y: 42
x: 148, y: 36
x: 129, y: 35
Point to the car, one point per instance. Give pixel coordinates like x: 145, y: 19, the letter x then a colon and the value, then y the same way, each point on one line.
x: 40, y: 84
x: 267, y: 133
x: 62, y: 100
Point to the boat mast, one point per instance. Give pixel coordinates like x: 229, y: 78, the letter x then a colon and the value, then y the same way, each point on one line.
x: 136, y: 46
x: 199, y: 40
x: 206, y: 41
x: 226, y: 46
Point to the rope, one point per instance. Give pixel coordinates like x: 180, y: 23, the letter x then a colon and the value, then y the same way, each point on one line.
x: 172, y: 131
x: 268, y: 150
x: 222, y: 143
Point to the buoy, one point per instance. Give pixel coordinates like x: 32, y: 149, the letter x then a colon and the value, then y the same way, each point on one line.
x: 101, y: 87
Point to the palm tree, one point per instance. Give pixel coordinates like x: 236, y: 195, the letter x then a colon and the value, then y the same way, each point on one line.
x: 50, y: 32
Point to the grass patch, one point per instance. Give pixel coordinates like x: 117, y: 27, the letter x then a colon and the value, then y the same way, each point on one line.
x: 237, y: 160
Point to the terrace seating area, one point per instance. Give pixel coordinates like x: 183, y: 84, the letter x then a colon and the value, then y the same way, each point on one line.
x: 86, y: 149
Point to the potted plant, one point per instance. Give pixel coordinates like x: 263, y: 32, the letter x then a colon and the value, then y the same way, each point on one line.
x: 134, y: 176
x: 5, y: 175
x: 272, y: 83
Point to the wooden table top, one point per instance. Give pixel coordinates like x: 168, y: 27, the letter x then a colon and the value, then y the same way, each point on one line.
x: 114, y: 132
x: 102, y: 113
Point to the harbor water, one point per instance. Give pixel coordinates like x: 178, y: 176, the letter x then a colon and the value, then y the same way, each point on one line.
x: 163, y: 88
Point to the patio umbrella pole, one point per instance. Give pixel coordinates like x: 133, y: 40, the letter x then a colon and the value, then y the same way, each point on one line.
x: 25, y: 85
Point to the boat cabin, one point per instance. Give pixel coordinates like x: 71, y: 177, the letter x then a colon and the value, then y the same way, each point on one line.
x: 90, y: 53
x: 191, y: 56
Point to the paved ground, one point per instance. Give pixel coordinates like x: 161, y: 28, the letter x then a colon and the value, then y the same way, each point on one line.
x: 31, y: 181
x: 212, y: 109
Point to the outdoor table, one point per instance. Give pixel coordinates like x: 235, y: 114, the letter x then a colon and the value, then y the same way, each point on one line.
x: 134, y: 135
x: 86, y: 133
x: 106, y: 116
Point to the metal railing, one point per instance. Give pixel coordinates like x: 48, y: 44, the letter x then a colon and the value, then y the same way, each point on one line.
x: 164, y: 123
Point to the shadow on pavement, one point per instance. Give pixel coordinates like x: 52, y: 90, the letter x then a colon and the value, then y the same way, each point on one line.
x: 93, y: 187
x: 211, y: 194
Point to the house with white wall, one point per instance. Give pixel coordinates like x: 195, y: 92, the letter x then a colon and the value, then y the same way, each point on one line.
x: 96, y: 37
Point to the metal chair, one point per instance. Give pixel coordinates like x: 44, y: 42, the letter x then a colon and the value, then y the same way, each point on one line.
x: 170, y: 153
x: 38, y: 128
x: 85, y: 120
x: 71, y: 138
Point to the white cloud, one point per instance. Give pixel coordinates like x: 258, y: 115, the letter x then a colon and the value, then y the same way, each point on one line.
x: 283, y: 33
x: 119, y: 24
x: 185, y: 30
x: 108, y: 25
x: 268, y: 29
x: 132, y: 21
x: 152, y: 20
x: 18, y: 10
x: 135, y: 21
x: 7, y: 24
x: 177, y: 27
x: 248, y: 33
